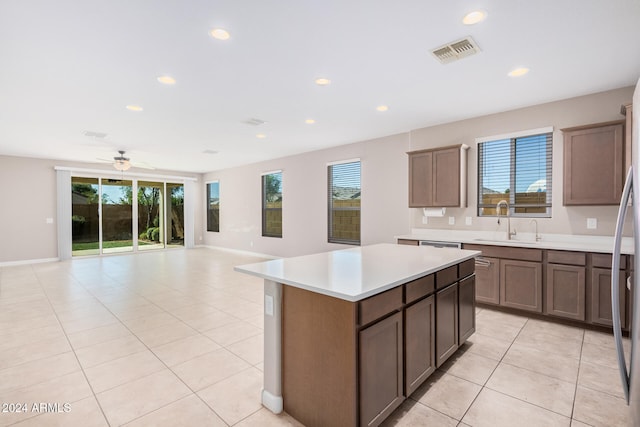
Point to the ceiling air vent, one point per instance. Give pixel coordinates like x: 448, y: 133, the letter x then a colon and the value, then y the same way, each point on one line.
x: 456, y: 50
x: 92, y: 134
x: 253, y: 122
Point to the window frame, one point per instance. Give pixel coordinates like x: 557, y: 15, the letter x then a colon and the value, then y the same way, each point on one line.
x: 208, y: 201
x: 263, y: 180
x: 331, y: 209
x: 514, y: 137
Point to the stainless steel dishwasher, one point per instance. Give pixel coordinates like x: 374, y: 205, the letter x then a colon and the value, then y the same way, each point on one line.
x: 437, y: 244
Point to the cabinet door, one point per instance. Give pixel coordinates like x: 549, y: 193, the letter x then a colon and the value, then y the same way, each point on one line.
x: 488, y: 280
x: 420, y: 179
x: 381, y: 370
x: 593, y: 165
x: 566, y: 291
x: 446, y: 177
x: 420, y: 345
x: 466, y: 308
x: 601, y: 297
x: 446, y: 323
x: 521, y: 285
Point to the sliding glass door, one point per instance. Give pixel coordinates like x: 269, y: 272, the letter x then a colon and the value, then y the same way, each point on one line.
x: 85, y: 219
x: 150, y: 215
x: 117, y: 216
x: 175, y: 214
x: 103, y: 211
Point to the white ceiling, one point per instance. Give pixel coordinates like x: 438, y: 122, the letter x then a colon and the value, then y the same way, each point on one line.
x: 70, y: 66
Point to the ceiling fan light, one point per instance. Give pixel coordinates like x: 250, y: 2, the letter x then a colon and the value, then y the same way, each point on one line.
x: 122, y: 165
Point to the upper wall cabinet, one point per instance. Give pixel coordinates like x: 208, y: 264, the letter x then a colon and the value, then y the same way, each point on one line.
x: 594, y: 164
x: 438, y: 177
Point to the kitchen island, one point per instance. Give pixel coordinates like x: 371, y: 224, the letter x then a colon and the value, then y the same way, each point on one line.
x: 350, y: 334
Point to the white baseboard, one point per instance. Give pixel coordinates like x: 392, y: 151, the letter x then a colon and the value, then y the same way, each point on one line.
x: 238, y: 251
x: 28, y: 261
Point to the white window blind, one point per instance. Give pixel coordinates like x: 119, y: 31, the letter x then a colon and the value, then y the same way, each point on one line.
x: 344, y: 195
x: 517, y: 170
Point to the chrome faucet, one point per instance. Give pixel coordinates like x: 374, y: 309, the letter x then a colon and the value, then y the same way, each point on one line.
x: 506, y: 204
x: 535, y: 223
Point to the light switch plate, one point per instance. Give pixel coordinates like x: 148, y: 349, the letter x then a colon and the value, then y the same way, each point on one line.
x: 49, y: 220
x: 592, y: 223
x: 468, y: 220
x: 268, y: 305
x: 452, y: 220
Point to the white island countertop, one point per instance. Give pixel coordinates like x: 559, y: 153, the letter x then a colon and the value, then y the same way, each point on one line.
x: 357, y: 273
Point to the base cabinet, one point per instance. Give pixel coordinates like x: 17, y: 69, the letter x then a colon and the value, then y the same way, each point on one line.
x: 521, y: 285
x: 446, y: 323
x: 601, y: 297
x: 566, y: 291
x: 381, y: 370
x: 420, y: 345
x: 466, y: 308
x: 488, y: 280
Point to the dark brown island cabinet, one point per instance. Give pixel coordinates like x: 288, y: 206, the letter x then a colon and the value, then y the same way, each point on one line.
x: 353, y: 363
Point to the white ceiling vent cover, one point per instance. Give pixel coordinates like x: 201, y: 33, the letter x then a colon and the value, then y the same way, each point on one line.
x: 456, y: 50
x: 254, y: 122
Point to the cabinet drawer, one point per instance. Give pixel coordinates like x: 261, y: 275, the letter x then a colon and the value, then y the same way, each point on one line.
x: 446, y: 276
x: 419, y: 288
x: 604, y: 261
x: 566, y: 257
x: 379, y: 305
x: 507, y: 252
x: 467, y: 268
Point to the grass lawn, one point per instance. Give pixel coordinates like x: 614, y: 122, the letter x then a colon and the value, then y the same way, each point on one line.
x: 107, y: 245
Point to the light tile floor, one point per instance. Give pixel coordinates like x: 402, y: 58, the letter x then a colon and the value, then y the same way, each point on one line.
x: 174, y: 338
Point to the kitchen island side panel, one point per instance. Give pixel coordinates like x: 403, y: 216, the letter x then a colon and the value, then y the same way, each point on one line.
x: 319, y: 358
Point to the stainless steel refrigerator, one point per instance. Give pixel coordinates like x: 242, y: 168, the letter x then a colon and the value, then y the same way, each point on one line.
x: 629, y: 372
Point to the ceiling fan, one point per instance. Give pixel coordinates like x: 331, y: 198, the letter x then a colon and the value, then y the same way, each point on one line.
x: 123, y: 163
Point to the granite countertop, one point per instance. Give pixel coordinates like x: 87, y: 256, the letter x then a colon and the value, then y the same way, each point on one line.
x: 357, y: 273
x: 565, y: 242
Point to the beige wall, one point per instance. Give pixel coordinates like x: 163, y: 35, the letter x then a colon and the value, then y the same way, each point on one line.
x: 304, y: 182
x: 29, y: 198
x: 596, y: 108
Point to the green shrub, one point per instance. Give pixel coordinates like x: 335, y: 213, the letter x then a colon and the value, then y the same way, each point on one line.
x: 78, y: 218
x: 143, y: 236
x: 155, y: 234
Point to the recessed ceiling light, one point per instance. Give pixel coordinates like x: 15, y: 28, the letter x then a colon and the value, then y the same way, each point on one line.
x: 167, y: 80
x: 220, y: 34
x: 134, y: 107
x: 261, y: 136
x: 517, y: 72
x: 322, y: 81
x: 309, y: 121
x: 382, y: 108
x: 474, y: 17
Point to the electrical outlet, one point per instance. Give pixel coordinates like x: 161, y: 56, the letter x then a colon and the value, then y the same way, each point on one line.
x: 592, y: 223
x: 452, y: 220
x: 425, y: 220
x: 268, y: 305
x: 468, y: 220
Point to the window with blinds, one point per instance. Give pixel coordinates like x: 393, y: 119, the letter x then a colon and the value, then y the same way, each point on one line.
x: 517, y: 170
x: 213, y: 206
x: 272, y: 204
x: 344, y: 203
